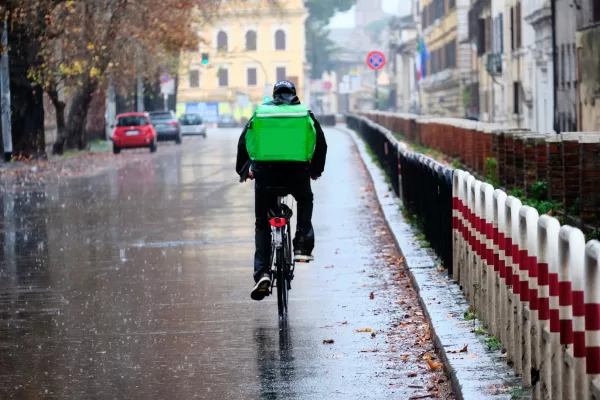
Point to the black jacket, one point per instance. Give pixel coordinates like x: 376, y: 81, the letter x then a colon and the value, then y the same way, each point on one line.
x: 315, y: 167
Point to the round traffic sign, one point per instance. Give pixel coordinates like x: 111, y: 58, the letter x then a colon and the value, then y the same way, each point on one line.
x: 376, y: 60
x: 165, y: 78
x: 327, y: 85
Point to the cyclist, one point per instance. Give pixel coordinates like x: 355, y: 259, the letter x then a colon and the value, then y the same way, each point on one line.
x: 295, y: 176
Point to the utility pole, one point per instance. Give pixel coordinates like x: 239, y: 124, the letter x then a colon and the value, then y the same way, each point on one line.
x: 5, y: 100
x: 140, y: 88
x: 377, y: 90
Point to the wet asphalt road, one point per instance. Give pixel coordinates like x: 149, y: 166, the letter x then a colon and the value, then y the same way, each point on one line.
x: 134, y: 284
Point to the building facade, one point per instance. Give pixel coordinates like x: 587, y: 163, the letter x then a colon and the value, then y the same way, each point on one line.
x: 444, y: 30
x: 588, y: 66
x: 250, y: 46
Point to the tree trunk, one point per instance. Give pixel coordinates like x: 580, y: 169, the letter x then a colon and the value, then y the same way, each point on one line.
x: 61, y: 131
x: 27, y: 101
x: 78, y: 115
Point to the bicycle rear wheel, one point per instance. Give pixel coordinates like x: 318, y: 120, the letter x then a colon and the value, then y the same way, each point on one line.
x: 283, y: 276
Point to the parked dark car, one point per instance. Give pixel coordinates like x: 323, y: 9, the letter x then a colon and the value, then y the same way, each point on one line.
x: 227, y: 121
x: 166, y: 126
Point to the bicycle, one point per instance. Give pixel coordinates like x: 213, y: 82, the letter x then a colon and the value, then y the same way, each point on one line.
x: 281, y: 262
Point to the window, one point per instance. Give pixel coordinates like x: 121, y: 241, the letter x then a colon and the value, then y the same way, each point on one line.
x: 488, y: 33
x: 451, y: 4
x: 194, y: 78
x: 222, y: 44
x: 570, y: 70
x: 480, y: 37
x: 223, y: 75
x: 132, y: 120
x: 518, y: 24
x: 190, y: 119
x: 450, y: 54
x: 251, y: 76
x: 574, y: 64
x: 516, y: 105
x: 501, y: 33
x: 562, y: 65
x: 280, y: 72
x: 596, y: 11
x: 512, y: 28
x: 280, y: 40
x: 251, y: 40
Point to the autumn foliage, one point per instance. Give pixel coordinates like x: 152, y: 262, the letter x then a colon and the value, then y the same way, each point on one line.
x: 80, y: 45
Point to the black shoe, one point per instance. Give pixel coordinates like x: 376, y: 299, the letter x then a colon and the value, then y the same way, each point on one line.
x: 261, y: 289
x: 301, y: 255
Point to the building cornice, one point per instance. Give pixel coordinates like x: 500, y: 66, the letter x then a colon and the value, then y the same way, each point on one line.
x: 540, y: 16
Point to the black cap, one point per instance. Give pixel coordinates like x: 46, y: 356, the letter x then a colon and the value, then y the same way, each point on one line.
x: 284, y: 87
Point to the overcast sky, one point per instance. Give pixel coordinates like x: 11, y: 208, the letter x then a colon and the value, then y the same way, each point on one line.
x: 346, y: 20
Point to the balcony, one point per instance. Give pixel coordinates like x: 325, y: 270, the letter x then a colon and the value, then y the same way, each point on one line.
x: 494, y: 64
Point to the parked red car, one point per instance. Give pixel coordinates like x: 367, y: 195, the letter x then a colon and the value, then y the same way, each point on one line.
x: 133, y: 130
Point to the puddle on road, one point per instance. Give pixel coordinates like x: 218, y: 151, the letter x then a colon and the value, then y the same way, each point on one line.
x: 188, y: 243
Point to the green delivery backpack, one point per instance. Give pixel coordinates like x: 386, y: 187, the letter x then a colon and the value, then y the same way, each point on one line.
x: 281, y: 133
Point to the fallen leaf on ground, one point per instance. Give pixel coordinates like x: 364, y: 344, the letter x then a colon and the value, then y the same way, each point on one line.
x: 471, y: 356
x: 328, y: 341
x: 373, y: 335
x: 420, y: 314
x: 412, y: 374
x: 451, y: 315
x: 463, y: 350
x: 329, y: 266
x: 440, y: 268
x: 372, y: 296
x: 363, y: 330
x: 345, y: 323
x: 432, y: 364
x: 406, y: 356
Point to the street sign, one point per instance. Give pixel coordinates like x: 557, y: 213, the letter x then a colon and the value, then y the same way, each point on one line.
x: 168, y: 87
x: 376, y: 60
x: 327, y: 86
x: 165, y: 78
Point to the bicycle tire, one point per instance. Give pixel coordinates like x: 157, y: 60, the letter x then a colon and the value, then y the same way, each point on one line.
x: 281, y: 283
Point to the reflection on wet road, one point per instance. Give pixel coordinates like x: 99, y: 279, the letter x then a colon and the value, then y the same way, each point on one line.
x: 134, y: 284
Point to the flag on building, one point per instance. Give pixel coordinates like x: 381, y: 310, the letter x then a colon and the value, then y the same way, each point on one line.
x: 421, y: 58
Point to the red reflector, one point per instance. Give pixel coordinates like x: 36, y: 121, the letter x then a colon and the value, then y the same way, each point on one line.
x: 277, y: 222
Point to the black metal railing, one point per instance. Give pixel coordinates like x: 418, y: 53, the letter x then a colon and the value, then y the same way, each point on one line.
x: 326, y: 120
x: 424, y: 184
x: 382, y: 143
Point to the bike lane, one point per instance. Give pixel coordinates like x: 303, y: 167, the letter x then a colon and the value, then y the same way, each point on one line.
x: 135, y: 284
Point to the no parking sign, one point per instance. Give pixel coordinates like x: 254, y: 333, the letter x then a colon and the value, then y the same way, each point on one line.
x: 376, y: 60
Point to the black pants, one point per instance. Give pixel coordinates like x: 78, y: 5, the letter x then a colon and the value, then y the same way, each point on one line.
x: 297, y: 183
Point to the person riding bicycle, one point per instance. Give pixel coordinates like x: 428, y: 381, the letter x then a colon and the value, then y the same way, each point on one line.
x: 291, y: 151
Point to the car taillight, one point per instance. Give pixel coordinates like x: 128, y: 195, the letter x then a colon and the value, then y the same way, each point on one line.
x: 277, y: 222
x: 173, y: 123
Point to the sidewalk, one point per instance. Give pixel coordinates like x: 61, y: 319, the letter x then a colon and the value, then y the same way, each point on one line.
x: 478, y: 372
x: 98, y: 157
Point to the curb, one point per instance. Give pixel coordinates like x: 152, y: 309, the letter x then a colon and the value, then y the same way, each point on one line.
x: 479, y: 373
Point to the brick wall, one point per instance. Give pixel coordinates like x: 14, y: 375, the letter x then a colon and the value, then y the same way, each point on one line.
x: 569, y: 162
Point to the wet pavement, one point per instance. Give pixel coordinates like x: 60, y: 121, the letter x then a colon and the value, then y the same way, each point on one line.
x: 134, y: 283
